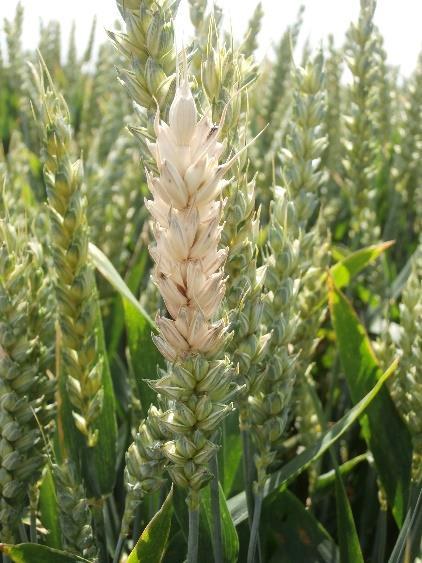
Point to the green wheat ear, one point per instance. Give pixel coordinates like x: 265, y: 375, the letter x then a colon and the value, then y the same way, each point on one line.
x: 26, y: 391
x: 289, y: 251
x: 74, y: 512
x: 407, y: 388
x: 250, y: 42
x: 407, y: 169
x: 145, y: 463
x: 272, y: 101
x: 361, y: 151
x: 331, y: 197
x: 148, y: 46
x: 74, y: 277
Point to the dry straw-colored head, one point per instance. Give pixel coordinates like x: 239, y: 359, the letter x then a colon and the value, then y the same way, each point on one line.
x: 187, y: 207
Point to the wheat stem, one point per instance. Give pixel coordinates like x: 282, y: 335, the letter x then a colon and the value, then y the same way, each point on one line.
x: 119, y: 549
x: 193, y: 537
x: 254, y: 537
x: 215, y: 509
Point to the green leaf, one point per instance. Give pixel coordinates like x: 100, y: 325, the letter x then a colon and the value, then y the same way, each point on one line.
x: 327, y: 479
x: 152, y: 544
x: 144, y: 355
x: 346, y: 530
x: 106, y: 269
x: 300, y: 536
x: 349, y: 266
x: 409, y: 539
x: 237, y: 504
x: 117, y: 321
x: 231, y: 458
x: 35, y: 553
x: 339, y: 252
x: 230, y: 541
x: 383, y: 429
x: 114, y: 327
x: 49, y: 514
x: 176, y: 546
x: 400, y: 282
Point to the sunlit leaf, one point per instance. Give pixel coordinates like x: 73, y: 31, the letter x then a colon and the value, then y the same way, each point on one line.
x: 152, y: 544
x: 383, y: 429
x: 35, y: 553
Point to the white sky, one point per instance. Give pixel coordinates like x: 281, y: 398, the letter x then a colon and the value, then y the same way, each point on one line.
x: 399, y: 20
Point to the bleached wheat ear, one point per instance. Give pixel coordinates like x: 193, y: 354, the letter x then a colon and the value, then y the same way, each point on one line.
x: 186, y: 208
